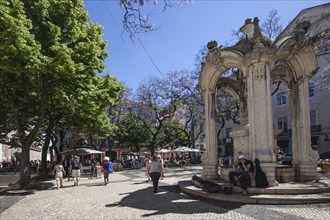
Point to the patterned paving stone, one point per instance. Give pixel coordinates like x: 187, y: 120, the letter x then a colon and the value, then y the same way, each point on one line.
x: 129, y: 196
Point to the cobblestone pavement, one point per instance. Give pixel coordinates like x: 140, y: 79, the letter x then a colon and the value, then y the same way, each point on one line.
x: 129, y: 196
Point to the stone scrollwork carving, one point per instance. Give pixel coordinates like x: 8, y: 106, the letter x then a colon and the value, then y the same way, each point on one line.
x: 259, y: 74
x: 281, y: 72
x: 313, y: 155
x: 215, y: 59
x: 300, y: 36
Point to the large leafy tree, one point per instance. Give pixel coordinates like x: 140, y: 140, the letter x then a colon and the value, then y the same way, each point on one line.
x: 156, y: 102
x: 86, y: 114
x: 60, y: 52
x: 191, y: 107
x: 21, y: 77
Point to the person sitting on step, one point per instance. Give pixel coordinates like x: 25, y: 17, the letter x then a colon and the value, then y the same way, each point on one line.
x: 244, y: 171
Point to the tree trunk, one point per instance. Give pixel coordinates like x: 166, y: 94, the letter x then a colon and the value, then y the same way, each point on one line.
x: 25, y: 168
x: 44, y: 169
x: 45, y: 147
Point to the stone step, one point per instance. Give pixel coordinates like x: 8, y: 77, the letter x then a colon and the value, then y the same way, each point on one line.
x: 252, y: 198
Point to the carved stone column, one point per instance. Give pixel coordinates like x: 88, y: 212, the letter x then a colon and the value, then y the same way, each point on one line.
x: 241, y: 141
x: 261, y: 135
x: 210, y: 157
x: 304, y: 157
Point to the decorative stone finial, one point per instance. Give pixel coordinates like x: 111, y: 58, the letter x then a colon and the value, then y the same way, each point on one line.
x: 257, y: 35
x: 247, y: 29
x: 212, y: 45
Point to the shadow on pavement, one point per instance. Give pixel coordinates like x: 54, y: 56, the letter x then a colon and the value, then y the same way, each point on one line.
x: 170, y: 200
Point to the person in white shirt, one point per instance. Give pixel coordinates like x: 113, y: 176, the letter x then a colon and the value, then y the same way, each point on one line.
x: 155, y: 170
x: 59, y: 173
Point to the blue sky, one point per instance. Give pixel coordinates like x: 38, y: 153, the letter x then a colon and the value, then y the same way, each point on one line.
x: 182, y: 31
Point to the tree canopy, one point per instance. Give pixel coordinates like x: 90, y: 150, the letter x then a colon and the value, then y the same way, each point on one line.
x: 50, y: 56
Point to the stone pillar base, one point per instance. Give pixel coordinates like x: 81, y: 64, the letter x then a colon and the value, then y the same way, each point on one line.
x: 306, y: 171
x: 284, y: 174
x: 224, y: 173
x: 210, y: 171
x: 269, y: 170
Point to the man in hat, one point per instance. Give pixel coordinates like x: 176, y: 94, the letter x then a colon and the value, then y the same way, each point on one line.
x: 75, y: 169
x: 244, y: 171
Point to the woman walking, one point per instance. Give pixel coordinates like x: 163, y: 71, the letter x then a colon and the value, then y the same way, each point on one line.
x: 59, y: 173
x: 105, y: 169
x: 155, y: 169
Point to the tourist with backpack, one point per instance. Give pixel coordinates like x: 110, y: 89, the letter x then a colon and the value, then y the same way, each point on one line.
x: 75, y: 169
x: 107, y: 168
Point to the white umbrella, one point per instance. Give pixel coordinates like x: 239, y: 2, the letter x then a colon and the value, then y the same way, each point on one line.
x: 183, y: 149
x: 81, y: 151
x: 162, y: 151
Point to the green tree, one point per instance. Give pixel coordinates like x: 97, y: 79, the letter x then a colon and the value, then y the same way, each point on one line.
x: 21, y: 76
x: 58, y: 81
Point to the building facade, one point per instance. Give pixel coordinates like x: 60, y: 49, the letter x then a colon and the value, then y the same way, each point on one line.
x: 319, y: 90
x: 319, y: 84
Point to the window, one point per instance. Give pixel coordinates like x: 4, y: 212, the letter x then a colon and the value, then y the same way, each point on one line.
x: 312, y: 115
x: 311, y: 90
x: 282, y: 123
x: 281, y: 99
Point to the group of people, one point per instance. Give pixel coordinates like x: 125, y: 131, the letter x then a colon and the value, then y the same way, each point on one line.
x: 75, y: 168
x: 245, y: 171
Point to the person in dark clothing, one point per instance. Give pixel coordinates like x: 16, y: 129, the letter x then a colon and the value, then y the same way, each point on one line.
x: 260, y: 178
x: 244, y: 171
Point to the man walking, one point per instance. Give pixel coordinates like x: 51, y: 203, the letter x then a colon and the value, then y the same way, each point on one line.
x: 75, y: 169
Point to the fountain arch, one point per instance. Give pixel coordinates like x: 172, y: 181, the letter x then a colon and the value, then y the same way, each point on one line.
x: 261, y: 62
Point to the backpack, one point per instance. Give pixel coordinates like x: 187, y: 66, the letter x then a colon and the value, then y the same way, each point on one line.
x: 75, y: 164
x: 228, y: 190
x: 196, y: 181
x: 211, y: 187
x: 110, y: 167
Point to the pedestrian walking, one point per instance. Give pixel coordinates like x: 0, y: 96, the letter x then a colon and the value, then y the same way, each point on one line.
x: 147, y: 161
x: 106, y: 169
x: 75, y: 169
x: 161, y: 161
x: 66, y: 165
x: 93, y: 170
x: 59, y: 173
x: 155, y: 170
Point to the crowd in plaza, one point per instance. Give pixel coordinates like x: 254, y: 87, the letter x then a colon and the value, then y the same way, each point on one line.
x: 73, y: 169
